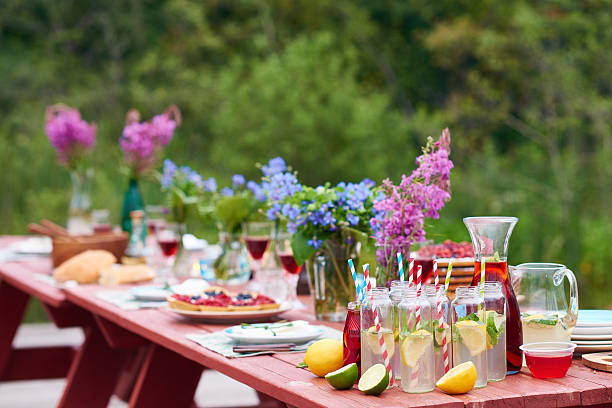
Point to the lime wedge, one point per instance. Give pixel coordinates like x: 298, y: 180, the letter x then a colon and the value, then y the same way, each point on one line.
x: 374, y: 381
x: 343, y: 378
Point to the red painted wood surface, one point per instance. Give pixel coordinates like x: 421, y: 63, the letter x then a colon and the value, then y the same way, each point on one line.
x: 94, y: 374
x: 38, y: 363
x: 13, y: 303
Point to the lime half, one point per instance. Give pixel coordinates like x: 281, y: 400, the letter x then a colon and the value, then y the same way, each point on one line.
x: 374, y: 381
x: 343, y: 378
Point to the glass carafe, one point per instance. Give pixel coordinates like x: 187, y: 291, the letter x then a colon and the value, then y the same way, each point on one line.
x: 490, y: 236
x: 545, y: 312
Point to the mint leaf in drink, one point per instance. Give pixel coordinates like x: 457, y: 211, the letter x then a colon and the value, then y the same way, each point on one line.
x: 471, y: 316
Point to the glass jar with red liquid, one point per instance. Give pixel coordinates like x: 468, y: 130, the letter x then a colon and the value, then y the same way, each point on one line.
x: 351, y: 337
x: 490, y: 236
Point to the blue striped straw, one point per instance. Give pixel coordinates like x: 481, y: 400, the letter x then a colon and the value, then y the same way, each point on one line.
x: 400, y: 265
x: 354, y: 272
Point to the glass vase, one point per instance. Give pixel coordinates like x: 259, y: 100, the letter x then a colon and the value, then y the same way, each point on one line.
x: 331, y: 282
x: 183, y: 265
x: 132, y: 200
x: 79, y: 216
x: 232, y: 266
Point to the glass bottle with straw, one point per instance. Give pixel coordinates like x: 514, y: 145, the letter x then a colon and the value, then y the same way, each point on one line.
x: 469, y: 331
x: 495, y: 319
x: 377, y: 337
x: 441, y: 328
x: 416, y: 342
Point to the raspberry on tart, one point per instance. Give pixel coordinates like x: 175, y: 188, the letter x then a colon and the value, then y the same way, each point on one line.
x: 183, y: 302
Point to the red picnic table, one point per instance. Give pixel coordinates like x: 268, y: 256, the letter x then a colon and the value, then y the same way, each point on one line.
x: 173, y: 364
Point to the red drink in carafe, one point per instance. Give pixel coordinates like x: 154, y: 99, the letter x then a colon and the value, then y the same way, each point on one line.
x: 498, y: 271
x: 351, y: 338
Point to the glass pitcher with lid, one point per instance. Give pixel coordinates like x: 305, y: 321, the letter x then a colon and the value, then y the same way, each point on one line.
x: 546, y: 314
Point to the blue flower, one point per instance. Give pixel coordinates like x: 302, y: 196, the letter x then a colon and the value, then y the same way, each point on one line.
x: 210, y: 185
x: 273, y: 211
x: 291, y: 227
x: 274, y: 166
x: 238, y: 180
x: 168, y: 173
x: 228, y: 192
x: 257, y: 190
x: 196, y: 179
x: 315, y: 243
x: 290, y: 211
x: 352, y: 219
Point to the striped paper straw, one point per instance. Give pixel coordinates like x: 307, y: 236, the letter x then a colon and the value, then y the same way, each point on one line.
x: 400, y: 265
x: 367, y: 285
x: 381, y: 342
x: 410, y: 271
x: 418, y: 288
x: 441, y: 323
x: 482, y: 282
x: 354, y: 273
x: 448, y: 275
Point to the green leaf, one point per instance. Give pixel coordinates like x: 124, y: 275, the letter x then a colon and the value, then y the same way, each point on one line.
x: 471, y: 316
x: 301, y: 250
x: 232, y: 211
x: 367, y: 254
x: 301, y: 365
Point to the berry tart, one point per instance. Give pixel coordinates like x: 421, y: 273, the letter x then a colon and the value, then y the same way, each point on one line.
x: 184, y: 302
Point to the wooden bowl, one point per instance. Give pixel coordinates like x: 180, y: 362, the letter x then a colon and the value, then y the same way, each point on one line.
x: 65, y: 248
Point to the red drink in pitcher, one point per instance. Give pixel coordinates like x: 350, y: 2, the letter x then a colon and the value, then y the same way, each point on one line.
x: 351, y: 337
x: 498, y: 271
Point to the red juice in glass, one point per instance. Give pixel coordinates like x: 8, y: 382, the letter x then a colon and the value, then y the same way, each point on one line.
x: 155, y: 224
x: 288, y: 263
x: 257, y: 246
x: 498, y: 272
x: 169, y: 247
x: 351, y: 337
x: 427, y: 265
x: 548, y: 366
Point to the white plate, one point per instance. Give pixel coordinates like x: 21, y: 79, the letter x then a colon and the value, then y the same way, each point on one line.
x: 581, y: 337
x: 233, y: 317
x: 592, y: 331
x: 592, y: 348
x: 150, y: 293
x: 594, y: 318
x: 310, y: 333
x: 34, y: 246
x: 593, y: 342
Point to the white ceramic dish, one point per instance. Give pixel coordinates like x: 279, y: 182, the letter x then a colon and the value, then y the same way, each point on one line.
x: 233, y: 317
x: 593, y: 342
x: 592, y: 348
x: 34, y: 246
x: 150, y: 293
x: 594, y: 318
x: 590, y: 337
x: 590, y: 331
x: 242, y: 336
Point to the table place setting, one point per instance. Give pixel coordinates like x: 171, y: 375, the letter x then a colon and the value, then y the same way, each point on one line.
x: 247, y: 340
x: 593, y: 331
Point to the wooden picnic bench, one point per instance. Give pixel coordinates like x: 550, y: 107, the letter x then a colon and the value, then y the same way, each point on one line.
x: 173, y: 364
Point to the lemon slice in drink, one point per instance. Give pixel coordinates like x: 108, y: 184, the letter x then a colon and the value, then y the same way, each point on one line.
x: 372, y: 340
x: 414, y: 346
x: 374, y: 381
x: 343, y: 378
x: 473, y: 336
x: 459, y: 379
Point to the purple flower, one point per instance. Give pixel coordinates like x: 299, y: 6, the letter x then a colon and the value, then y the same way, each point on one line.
x: 273, y: 211
x: 210, y: 185
x: 228, y: 192
x: 352, y: 219
x: 68, y: 133
x: 141, y: 141
x: 257, y: 190
x: 274, y: 166
x: 237, y: 180
x: 315, y: 243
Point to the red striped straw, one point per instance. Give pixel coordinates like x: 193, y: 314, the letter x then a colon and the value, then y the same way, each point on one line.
x: 418, y: 289
x: 441, y: 322
x: 410, y: 271
x: 381, y: 338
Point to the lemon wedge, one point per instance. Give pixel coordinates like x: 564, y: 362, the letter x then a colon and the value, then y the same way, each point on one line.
x: 414, y: 346
x: 473, y: 335
x: 372, y: 341
x: 459, y: 380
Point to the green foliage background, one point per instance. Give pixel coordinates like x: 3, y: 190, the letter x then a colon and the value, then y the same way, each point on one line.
x: 342, y: 90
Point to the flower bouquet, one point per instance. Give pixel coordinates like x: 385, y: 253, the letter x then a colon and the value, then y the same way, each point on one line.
x: 73, y: 139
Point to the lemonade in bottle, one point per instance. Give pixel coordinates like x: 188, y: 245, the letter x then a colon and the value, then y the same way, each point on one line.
x: 495, y: 304
x: 371, y: 352
x: 416, y: 343
x: 469, y: 331
x: 439, y: 332
x: 396, y: 293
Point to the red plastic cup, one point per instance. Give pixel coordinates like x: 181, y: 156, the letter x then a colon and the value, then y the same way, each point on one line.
x: 548, y: 359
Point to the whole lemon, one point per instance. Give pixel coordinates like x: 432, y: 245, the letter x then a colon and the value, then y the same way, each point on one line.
x: 324, y: 356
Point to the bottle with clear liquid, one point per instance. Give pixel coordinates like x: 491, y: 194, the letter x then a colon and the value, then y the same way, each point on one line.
x: 397, y: 292
x: 440, y: 331
x: 371, y: 352
x: 469, y: 331
x: 135, y: 247
x: 416, y: 343
x: 495, y: 319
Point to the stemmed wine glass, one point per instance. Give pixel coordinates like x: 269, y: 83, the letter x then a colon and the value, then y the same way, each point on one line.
x: 290, y: 266
x: 168, y: 240
x: 257, y: 241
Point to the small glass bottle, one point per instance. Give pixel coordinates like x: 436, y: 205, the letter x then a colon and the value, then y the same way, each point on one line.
x: 469, y: 331
x: 371, y: 352
x: 440, y: 331
x: 351, y: 337
x: 398, y: 289
x: 416, y: 343
x: 135, y: 247
x: 495, y: 319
